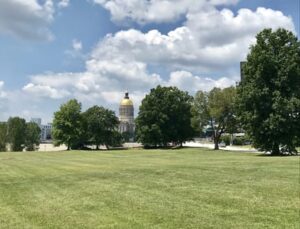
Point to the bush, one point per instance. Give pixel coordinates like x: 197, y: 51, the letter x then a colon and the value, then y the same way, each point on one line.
x: 239, y: 141
x: 225, y: 139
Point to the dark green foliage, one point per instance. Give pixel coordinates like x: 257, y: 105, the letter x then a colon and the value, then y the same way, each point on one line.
x: 68, y: 125
x: 226, y: 139
x: 114, y: 139
x: 32, y: 138
x: 3, y: 136
x: 238, y: 141
x: 164, y: 117
x: 16, y: 133
x: 269, y: 95
x: 101, y: 125
x: 217, y: 110
x: 127, y: 136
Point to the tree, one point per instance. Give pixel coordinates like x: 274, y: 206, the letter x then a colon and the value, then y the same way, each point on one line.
x: 16, y: 132
x: 68, y: 125
x: 164, y: 117
x: 269, y: 94
x: 3, y: 136
x: 101, y: 125
x: 215, y: 109
x: 200, y: 114
x: 32, y: 136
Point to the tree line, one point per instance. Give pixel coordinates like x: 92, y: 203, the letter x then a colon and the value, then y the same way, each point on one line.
x: 76, y: 129
x: 17, y: 135
x: 265, y: 105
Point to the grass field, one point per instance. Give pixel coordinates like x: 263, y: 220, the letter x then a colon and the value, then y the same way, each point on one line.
x: 187, y: 188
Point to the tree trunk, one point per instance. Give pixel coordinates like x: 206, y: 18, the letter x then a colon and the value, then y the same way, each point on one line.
x: 97, y: 147
x: 216, y: 141
x: 275, y: 150
x: 216, y: 144
x: 69, y: 144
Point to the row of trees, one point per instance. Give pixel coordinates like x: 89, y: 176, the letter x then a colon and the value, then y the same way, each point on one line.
x: 76, y: 129
x: 266, y: 104
x: 19, y: 135
x: 168, y: 115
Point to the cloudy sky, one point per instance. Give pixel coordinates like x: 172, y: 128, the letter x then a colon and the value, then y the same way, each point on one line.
x: 95, y: 50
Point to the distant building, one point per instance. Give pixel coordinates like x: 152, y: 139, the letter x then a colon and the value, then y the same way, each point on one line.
x: 126, y: 116
x: 45, y: 129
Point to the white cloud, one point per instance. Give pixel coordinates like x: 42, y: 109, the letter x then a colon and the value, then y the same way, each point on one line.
x: 45, y: 91
x: 215, y: 41
x: 157, y: 11
x: 3, y: 94
x: 77, y: 45
x: 208, y: 42
x: 63, y: 3
x: 188, y: 82
x: 26, y: 19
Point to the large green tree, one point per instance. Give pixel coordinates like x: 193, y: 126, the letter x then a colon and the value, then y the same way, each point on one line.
x: 101, y: 126
x: 269, y: 93
x: 68, y: 125
x: 3, y: 136
x: 164, y: 117
x: 215, y: 109
x: 16, y: 133
x: 32, y: 136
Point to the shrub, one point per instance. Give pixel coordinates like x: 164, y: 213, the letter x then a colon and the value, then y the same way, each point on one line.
x: 225, y: 139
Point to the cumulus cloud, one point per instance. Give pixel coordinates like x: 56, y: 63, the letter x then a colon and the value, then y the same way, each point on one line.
x: 26, y: 19
x: 207, y: 42
x: 189, y: 82
x: 157, y: 11
x: 45, y: 91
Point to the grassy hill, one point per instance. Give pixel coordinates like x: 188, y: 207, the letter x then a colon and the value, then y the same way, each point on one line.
x: 187, y: 188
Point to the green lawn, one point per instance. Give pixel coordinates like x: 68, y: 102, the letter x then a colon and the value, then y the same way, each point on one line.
x: 187, y: 188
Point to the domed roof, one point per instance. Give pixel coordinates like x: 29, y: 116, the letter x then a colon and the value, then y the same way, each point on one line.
x: 126, y: 101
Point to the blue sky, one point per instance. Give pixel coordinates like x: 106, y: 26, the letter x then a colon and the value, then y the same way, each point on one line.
x: 94, y: 50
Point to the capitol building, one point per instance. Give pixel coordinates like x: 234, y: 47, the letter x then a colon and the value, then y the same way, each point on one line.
x: 126, y: 116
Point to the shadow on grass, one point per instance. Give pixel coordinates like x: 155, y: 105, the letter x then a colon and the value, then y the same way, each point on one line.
x: 280, y: 155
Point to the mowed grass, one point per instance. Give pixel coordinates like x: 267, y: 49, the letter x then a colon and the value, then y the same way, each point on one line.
x: 186, y: 188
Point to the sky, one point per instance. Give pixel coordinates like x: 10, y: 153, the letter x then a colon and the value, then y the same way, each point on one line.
x: 95, y: 50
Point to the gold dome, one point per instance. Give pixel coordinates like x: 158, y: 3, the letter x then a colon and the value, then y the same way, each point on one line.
x: 126, y: 101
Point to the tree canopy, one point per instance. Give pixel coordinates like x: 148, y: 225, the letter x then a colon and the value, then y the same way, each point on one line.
x: 269, y: 94
x: 67, y: 124
x: 215, y: 109
x: 3, y: 136
x: 164, y: 117
x: 101, y: 126
x: 32, y: 136
x: 16, y: 133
